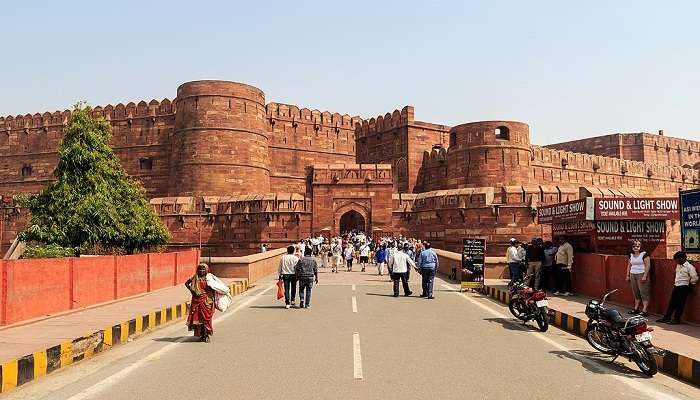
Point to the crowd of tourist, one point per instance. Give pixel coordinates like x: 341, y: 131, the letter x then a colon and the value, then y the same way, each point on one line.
x: 396, y: 256
x: 547, y: 266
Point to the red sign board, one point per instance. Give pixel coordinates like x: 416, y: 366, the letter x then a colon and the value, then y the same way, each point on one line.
x: 650, y: 232
x: 576, y: 210
x: 663, y: 208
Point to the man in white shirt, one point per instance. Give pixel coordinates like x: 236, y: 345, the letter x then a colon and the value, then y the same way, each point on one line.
x: 364, y: 255
x: 287, y: 275
x: 686, y: 277
x: 564, y: 260
x: 515, y: 256
x: 399, y: 264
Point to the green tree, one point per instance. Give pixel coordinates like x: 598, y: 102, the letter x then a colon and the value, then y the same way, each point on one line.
x: 93, y: 205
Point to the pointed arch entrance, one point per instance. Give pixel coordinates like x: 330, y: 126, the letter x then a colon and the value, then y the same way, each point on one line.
x: 352, y: 220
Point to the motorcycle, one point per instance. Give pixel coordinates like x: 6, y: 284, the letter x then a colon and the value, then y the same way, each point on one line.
x: 610, y: 333
x: 527, y: 304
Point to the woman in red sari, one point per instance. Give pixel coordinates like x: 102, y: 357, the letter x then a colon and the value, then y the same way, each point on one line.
x: 201, y: 312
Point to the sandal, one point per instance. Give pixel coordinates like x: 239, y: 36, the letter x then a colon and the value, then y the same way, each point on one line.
x: 644, y: 314
x: 633, y: 312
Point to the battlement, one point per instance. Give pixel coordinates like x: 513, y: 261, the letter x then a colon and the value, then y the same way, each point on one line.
x: 562, y: 159
x: 129, y: 111
x: 385, y: 123
x: 292, y: 113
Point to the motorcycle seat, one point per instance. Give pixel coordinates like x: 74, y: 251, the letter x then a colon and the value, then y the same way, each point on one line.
x: 614, y: 316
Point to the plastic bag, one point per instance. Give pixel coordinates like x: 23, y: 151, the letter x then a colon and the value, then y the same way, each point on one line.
x: 280, y: 289
x: 223, y: 301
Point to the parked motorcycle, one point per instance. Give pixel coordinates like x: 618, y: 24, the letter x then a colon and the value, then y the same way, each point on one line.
x: 610, y: 333
x: 527, y: 304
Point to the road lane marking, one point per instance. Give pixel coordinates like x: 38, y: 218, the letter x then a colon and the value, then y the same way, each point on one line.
x: 354, y: 304
x: 110, y: 381
x: 353, y: 288
x: 357, y: 355
x: 641, y: 387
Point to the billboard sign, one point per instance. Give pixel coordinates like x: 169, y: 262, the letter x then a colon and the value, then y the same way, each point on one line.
x: 473, y: 258
x: 690, y: 220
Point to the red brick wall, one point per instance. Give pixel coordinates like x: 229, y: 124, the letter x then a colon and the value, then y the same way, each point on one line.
x: 38, y: 287
x: 302, y: 137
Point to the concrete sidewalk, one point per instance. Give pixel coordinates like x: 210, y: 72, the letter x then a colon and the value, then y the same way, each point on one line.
x: 35, y: 348
x: 681, y: 341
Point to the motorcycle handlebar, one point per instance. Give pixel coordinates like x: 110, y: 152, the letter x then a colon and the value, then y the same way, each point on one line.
x: 605, y: 297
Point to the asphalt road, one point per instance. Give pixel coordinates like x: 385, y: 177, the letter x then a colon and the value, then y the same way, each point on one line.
x: 457, y: 346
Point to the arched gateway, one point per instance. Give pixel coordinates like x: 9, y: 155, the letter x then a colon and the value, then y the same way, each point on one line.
x: 352, y: 220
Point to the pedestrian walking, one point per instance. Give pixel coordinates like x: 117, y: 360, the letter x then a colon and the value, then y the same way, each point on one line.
x: 349, y: 254
x: 564, y: 259
x: 514, y: 257
x: 534, y: 254
x: 638, y: 269
x: 381, y: 258
x: 306, y: 272
x: 548, y: 265
x: 204, y: 287
x: 686, y: 278
x: 337, y: 251
x: 364, y: 255
x: 428, y: 264
x: 288, y: 276
x: 400, y: 264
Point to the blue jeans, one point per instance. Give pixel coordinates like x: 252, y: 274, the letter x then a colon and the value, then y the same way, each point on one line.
x: 290, y: 287
x: 514, y: 269
x: 428, y: 277
x: 305, y: 285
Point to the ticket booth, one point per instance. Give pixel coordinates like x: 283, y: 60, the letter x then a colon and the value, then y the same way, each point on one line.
x: 609, y: 225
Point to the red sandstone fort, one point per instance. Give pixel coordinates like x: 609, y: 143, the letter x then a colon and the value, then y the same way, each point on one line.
x: 225, y: 169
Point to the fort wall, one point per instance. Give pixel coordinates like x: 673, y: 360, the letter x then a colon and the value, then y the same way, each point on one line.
x: 303, y: 137
x: 642, y: 146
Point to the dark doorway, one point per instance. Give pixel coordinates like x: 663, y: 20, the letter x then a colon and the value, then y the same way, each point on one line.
x: 352, y: 220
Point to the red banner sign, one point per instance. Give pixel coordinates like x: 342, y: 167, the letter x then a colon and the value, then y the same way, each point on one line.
x: 576, y: 210
x: 665, y: 208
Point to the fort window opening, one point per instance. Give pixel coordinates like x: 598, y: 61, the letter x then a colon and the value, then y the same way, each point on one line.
x: 145, y: 163
x: 502, y: 133
x: 27, y: 170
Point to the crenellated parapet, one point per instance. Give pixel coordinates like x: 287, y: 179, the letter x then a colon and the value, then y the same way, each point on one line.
x: 384, y: 123
x: 352, y: 174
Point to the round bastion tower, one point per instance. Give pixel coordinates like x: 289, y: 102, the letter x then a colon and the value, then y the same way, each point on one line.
x: 488, y: 154
x: 220, y: 144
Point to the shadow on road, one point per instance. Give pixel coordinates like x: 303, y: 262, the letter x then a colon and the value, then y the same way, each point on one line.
x: 269, y: 307
x: 599, y: 363
x: 189, y: 339
x: 512, y: 324
x: 380, y: 294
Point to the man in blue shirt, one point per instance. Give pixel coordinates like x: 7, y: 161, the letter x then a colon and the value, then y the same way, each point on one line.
x: 428, y: 264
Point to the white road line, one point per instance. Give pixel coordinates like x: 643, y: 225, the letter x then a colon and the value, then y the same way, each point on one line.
x: 354, y: 304
x: 353, y: 288
x: 637, y: 385
x: 113, y: 379
x: 357, y: 355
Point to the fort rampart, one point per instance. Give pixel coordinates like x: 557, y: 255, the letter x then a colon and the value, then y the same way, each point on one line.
x: 227, y: 171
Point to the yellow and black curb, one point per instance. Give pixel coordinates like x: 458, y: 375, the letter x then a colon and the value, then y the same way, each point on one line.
x: 19, y: 371
x: 674, y: 364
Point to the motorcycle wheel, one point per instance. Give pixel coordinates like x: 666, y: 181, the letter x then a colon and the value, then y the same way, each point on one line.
x: 644, y: 360
x: 595, y: 337
x: 542, y: 319
x: 518, y: 308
